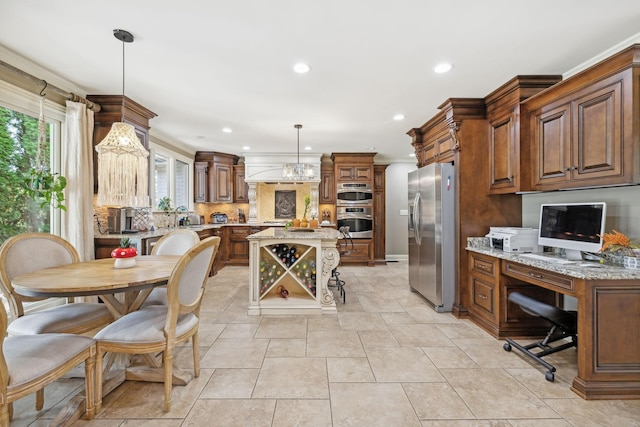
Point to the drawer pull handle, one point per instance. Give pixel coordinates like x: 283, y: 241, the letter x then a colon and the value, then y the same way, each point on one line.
x: 481, y: 296
x: 484, y: 267
x: 537, y: 276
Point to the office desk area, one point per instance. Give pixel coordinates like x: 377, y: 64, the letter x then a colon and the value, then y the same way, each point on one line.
x: 608, y: 305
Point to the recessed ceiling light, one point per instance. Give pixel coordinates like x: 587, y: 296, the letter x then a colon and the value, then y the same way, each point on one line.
x: 398, y: 117
x: 442, y: 68
x: 307, y: 148
x: 246, y: 148
x: 301, y: 68
x: 371, y: 148
x: 227, y: 130
x: 412, y: 155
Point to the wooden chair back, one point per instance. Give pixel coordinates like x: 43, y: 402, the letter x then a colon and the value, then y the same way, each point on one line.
x: 29, y: 252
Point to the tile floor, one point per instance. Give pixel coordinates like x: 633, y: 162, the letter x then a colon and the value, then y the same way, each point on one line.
x: 386, y: 359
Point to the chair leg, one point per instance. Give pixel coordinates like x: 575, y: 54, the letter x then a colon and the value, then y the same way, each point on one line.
x: 168, y: 378
x: 90, y: 384
x: 98, y: 380
x: 196, y: 355
x: 40, y: 399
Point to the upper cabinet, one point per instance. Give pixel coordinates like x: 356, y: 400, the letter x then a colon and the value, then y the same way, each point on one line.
x: 585, y: 130
x: 240, y: 187
x: 201, y: 185
x: 219, y: 176
x: 327, y: 184
x: 350, y: 167
x: 508, y: 146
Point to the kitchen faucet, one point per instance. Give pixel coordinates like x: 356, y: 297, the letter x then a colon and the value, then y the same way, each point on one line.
x: 175, y: 214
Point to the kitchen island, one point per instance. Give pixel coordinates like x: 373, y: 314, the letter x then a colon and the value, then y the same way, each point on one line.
x: 290, y: 269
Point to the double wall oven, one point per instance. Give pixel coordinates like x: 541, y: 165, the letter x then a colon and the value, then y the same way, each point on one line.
x: 354, y: 208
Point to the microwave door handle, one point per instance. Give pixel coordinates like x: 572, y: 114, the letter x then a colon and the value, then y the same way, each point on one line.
x: 417, y: 219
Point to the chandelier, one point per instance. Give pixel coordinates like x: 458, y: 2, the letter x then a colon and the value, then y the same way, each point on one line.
x: 298, y: 171
x: 122, y: 160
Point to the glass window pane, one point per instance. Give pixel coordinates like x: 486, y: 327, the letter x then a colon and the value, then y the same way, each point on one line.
x: 18, y: 150
x: 182, y: 183
x: 161, y: 175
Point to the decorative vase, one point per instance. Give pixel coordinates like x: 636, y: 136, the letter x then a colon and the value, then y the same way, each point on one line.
x: 124, y: 262
x: 296, y: 222
x: 303, y: 222
x: 313, y: 223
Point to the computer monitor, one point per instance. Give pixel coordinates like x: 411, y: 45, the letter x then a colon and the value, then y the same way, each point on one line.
x: 574, y: 227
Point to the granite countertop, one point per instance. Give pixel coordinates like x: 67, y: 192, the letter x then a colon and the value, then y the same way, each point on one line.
x: 292, y: 234
x: 576, y: 269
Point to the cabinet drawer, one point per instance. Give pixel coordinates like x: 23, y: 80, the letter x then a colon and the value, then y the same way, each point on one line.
x: 537, y: 276
x: 483, y: 293
x: 484, y: 266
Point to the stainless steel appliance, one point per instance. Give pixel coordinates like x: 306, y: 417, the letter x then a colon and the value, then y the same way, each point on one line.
x: 354, y: 193
x: 120, y: 220
x: 219, y: 218
x: 359, y: 219
x: 432, y: 234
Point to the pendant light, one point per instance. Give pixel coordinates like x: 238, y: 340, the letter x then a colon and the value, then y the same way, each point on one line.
x: 298, y: 171
x: 122, y: 160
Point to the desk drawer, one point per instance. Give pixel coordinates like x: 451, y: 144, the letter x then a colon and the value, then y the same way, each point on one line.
x: 537, y: 276
x: 483, y: 265
x: 483, y: 295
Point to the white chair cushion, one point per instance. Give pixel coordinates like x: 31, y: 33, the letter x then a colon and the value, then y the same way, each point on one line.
x: 32, y: 356
x: 58, y: 319
x: 144, y: 326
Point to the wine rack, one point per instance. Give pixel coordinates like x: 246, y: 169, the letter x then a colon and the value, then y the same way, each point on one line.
x: 292, y: 266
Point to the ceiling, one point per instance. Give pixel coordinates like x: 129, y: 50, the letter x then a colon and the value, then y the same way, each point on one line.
x: 208, y: 64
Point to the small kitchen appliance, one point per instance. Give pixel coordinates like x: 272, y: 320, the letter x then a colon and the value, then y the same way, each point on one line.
x: 219, y: 218
x: 120, y: 220
x: 514, y: 239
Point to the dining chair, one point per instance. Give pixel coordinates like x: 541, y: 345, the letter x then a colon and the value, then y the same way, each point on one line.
x: 176, y: 242
x: 29, y: 252
x: 159, y: 328
x: 30, y: 362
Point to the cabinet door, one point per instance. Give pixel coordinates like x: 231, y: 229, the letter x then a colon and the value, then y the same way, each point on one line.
x: 240, y: 188
x: 503, y: 155
x: 200, y: 187
x: 327, y: 186
x: 354, y: 173
x: 361, y: 251
x: 222, y: 182
x: 597, y: 121
x: 238, y: 247
x: 379, y: 233
x: 345, y: 173
x: 445, y: 146
x: 551, y: 147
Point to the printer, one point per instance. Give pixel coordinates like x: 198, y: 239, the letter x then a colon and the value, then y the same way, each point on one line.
x: 514, y: 239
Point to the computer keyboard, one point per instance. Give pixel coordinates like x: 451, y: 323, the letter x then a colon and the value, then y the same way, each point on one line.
x: 546, y: 259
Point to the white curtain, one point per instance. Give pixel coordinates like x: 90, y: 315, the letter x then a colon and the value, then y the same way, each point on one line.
x: 77, y: 167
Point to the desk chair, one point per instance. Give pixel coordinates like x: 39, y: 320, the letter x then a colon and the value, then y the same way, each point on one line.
x: 564, y: 325
x: 30, y: 362
x: 344, y: 250
x: 176, y: 242
x: 159, y: 328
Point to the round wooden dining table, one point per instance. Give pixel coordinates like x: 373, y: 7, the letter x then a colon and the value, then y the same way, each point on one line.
x: 100, y: 277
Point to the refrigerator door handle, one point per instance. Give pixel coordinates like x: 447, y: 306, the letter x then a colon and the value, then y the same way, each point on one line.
x: 417, y: 219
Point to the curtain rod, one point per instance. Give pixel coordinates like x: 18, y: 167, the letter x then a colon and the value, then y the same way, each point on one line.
x: 68, y: 95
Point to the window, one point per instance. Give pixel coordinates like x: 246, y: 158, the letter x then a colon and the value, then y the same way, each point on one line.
x: 171, y: 176
x: 19, y: 112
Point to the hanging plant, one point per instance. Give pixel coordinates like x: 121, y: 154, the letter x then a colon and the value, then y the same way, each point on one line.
x: 40, y: 183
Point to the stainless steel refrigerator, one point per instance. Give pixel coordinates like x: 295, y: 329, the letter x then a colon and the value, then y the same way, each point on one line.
x: 432, y: 239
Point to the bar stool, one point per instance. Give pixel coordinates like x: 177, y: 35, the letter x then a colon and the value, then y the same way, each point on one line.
x: 344, y: 250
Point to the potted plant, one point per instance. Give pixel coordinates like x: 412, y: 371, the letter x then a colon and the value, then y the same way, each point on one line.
x: 41, y: 184
x: 314, y: 220
x: 307, y: 203
x: 165, y: 206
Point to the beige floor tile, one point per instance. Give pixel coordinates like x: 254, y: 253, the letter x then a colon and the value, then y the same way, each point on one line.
x: 282, y: 327
x: 230, y: 383
x: 534, y: 380
x: 378, y: 303
x: 282, y: 347
x: 349, y: 370
x: 361, y: 322
x: 292, y: 378
x: 468, y: 423
x: 598, y: 413
x: 231, y: 413
x: 371, y: 405
x: 378, y: 339
x: 397, y: 318
x: 494, y: 394
x: 302, y: 413
x: 433, y: 401
x: 323, y: 323
x: 420, y: 335
x: 449, y: 357
x: 334, y: 344
x: 402, y: 364
x: 239, y: 330
x: 235, y: 353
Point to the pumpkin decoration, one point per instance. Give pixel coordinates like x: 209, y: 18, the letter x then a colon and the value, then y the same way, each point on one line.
x: 124, y: 254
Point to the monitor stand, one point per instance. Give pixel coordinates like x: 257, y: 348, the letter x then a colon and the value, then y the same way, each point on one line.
x: 573, y: 254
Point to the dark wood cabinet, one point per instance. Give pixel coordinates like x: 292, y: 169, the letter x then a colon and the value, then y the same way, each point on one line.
x: 238, y: 245
x: 200, y: 181
x: 327, y: 184
x: 219, y: 177
x: 584, y: 130
x: 240, y: 187
x: 508, y: 146
x: 112, y: 110
x: 379, y: 214
x: 360, y: 252
x: 353, y: 173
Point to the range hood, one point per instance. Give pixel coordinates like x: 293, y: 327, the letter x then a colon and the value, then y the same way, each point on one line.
x: 267, y: 168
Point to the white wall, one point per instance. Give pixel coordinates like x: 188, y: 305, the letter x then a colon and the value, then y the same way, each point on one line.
x: 397, y: 204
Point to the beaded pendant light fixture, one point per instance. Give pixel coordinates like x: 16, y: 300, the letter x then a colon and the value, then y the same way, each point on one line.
x: 298, y: 171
